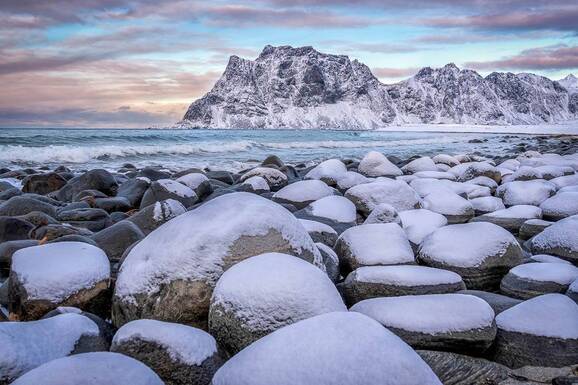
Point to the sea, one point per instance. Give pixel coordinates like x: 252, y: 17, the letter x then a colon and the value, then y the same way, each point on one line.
x: 231, y: 150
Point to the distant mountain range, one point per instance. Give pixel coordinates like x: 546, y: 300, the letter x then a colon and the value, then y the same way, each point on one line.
x: 288, y: 87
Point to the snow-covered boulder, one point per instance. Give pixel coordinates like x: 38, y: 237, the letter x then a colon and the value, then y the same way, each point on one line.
x: 27, y: 345
x: 376, y: 164
x: 531, y: 192
x: 542, y: 331
x: 565, y: 181
x: 511, y: 218
x: 58, y: 274
x: 426, y: 186
x: 548, y: 259
x: 485, y: 205
x: 453, y: 322
x: 533, y: 227
x: 452, y: 206
x: 484, y: 181
x: 179, y: 354
x: 163, y: 189
x: 373, y: 244
x: 435, y: 175
x: 558, y: 239
x: 420, y: 223
x: 155, y: 215
x: 258, y: 184
x: 523, y: 173
x: 328, y: 349
x: 425, y: 163
x: 471, y: 170
x: 197, y: 182
x: 534, y: 279
x: 482, y: 253
x: 301, y: 193
x: 334, y: 207
x: 320, y: 232
x: 101, y: 368
x: 551, y: 172
x: 390, y: 281
x: 350, y: 179
x: 329, y: 171
x: 265, y: 293
x: 561, y: 205
x: 330, y: 261
x: 170, y: 274
x: 383, y: 213
x: 275, y: 178
x: 510, y: 164
x: 394, y: 192
x: 498, y: 302
x: 445, y: 159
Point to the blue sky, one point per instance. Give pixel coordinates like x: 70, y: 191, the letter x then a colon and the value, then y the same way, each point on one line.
x: 135, y: 63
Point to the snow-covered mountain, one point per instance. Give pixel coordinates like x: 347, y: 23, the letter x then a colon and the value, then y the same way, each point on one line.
x: 288, y: 87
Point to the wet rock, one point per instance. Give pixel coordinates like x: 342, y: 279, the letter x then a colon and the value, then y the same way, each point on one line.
x: 43, y: 183
x: 114, y: 240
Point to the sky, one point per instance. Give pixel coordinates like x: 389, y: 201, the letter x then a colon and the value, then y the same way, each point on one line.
x: 140, y: 63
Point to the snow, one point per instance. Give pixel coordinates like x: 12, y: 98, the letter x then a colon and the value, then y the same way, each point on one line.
x: 548, y: 258
x: 192, y: 180
x: 394, y: 192
x: 304, y: 191
x: 467, y: 244
x: 332, y: 169
x: 55, y: 271
x: 329, y: 252
x: 425, y: 163
x: 376, y: 164
x: 531, y: 192
x: 446, y: 159
x: 176, y: 188
x: 549, y: 315
x: 192, y: 246
x: 383, y: 213
x: 487, y: 204
x: 563, y: 204
x: 523, y: 173
x: 378, y: 244
x: 518, y: 211
x: 258, y: 183
x: 98, y: 368
x: 350, y: 179
x: 420, y: 223
x: 334, y: 207
x: 334, y: 348
x: 448, y: 204
x: 565, y: 181
x: 406, y: 275
x: 318, y: 227
x: 561, y: 234
x: 167, y: 209
x: 569, y: 189
x: 273, y: 289
x: 430, y: 314
x: 561, y: 273
x: 26, y: 345
x: 435, y: 175
x: 183, y: 343
x: 484, y: 181
x: 555, y: 171
x: 425, y: 186
x: 271, y: 175
x: 510, y: 164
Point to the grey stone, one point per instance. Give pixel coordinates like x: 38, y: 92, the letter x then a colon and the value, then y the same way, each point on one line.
x: 114, y: 240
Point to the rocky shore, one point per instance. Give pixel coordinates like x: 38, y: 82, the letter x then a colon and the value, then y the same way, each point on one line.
x: 454, y: 269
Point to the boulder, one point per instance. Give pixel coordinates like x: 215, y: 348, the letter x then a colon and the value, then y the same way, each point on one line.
x: 333, y: 207
x: 153, y: 216
x: 267, y: 292
x: 113, y: 204
x: 573, y: 291
x: 376, y: 164
x: 532, y: 192
x: 114, y: 240
x: 485, y: 205
x: 328, y: 349
x: 445, y: 159
x: 197, y: 182
x: 8, y: 248
x: 383, y: 213
x: 420, y: 223
x: 275, y: 178
x: 451, y: 322
x: 350, y: 179
x: 425, y: 163
x: 329, y: 171
x: 133, y: 190
x: 88, y: 218
x: 452, y: 206
x: 560, y: 206
x: 13, y: 229
x: 398, y: 194
x: 164, y: 189
x: 542, y: 331
x: 302, y: 193
x: 179, y: 354
x: 558, y: 239
x: 471, y: 170
x: 498, y: 302
x: 511, y: 218
x: 482, y: 253
x: 532, y: 227
x: 170, y: 275
x: 22, y: 205
x: 330, y: 261
x: 42, y: 183
x: 533, y: 279
x: 320, y: 232
x: 100, y: 180
x: 258, y: 184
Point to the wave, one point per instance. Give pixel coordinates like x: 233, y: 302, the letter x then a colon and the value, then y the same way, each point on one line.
x: 361, y: 144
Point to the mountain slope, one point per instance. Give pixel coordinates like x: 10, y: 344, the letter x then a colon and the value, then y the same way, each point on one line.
x: 288, y: 87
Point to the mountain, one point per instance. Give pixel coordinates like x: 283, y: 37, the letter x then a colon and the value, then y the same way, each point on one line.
x: 570, y: 82
x: 288, y: 87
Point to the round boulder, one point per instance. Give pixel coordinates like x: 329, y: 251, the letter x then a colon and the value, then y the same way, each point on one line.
x: 533, y: 279
x: 558, y: 239
x: 164, y: 189
x: 376, y: 164
x: 398, y: 194
x: 302, y: 193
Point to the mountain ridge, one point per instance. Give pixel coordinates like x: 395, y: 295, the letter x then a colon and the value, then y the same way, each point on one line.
x: 287, y: 87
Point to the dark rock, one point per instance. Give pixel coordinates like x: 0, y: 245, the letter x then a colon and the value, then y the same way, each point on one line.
x: 113, y: 204
x: 498, y: 302
x: 43, y: 183
x: 114, y: 240
x: 21, y: 205
x: 100, y: 180
x: 91, y: 219
x: 13, y: 229
x: 165, y: 189
x: 222, y: 176
x: 153, y: 174
x: 8, y: 248
x: 133, y: 190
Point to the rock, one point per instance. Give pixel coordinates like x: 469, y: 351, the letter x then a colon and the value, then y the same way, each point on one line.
x: 453, y: 322
x: 511, y: 218
x: 133, y: 190
x: 396, y: 193
x: 88, y: 196
x: 333, y: 207
x: 573, y: 291
x: 14, y: 229
x: 42, y: 183
x: 338, y: 342
x: 267, y: 292
x: 548, y: 258
x: 383, y: 213
x: 523, y: 173
x: 565, y: 181
x: 106, y: 330
x: 452, y: 206
x: 558, y: 239
x: 197, y: 182
x: 390, y: 281
x: 480, y: 252
x: 445, y: 159
x: 560, y: 206
x: 100, y: 180
x: 376, y: 164
x: 373, y: 244
x: 91, y: 219
x: 51, y: 232
x: 532, y: 192
x: 532, y: 227
x: 320, y: 232
x: 179, y: 354
x: 170, y: 274
x: 542, y: 331
x: 275, y: 178
x: 485, y: 205
x: 153, y: 216
x: 27, y: 345
x: 100, y: 368
x: 459, y: 369
x: 536, y: 375
x: 58, y: 274
x: 302, y: 193
x: 164, y: 189
x: 22, y: 205
x: 533, y: 279
x: 114, y: 240
x: 425, y: 163
x: 420, y: 223
x: 329, y: 171
x: 7, y: 194
x: 273, y: 160
x: 350, y: 179
x: 469, y: 171
x: 258, y: 184
x: 222, y: 176
x: 8, y: 248
x: 485, y: 181
x: 330, y: 261
x: 498, y: 302
x: 435, y: 175
x: 113, y: 204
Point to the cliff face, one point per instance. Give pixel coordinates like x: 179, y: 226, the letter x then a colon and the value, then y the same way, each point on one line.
x: 288, y: 87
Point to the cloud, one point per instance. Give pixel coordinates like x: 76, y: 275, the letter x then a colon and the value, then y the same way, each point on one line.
x: 559, y: 57
x: 385, y: 72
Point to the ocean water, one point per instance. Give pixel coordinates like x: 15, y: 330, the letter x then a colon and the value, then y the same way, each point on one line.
x: 222, y: 149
